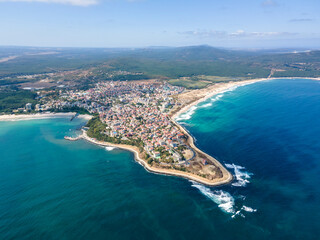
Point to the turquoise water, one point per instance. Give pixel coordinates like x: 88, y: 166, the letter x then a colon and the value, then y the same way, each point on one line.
x: 51, y: 188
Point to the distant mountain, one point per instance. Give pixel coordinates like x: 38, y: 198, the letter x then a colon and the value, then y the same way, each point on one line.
x: 191, y: 53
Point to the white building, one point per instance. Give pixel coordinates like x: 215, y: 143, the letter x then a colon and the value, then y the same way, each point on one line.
x: 28, y: 106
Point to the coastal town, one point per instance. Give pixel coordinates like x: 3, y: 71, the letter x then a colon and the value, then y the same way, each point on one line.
x: 138, y: 114
x: 135, y: 111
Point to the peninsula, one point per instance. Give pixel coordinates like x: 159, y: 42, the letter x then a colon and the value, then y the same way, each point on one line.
x: 140, y: 116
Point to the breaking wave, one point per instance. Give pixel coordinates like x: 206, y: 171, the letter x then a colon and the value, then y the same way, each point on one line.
x: 212, y: 100
x: 242, y: 177
x: 224, y: 200
x: 207, y: 105
x: 187, y: 115
x: 248, y: 209
x: 243, y: 208
x: 238, y: 213
x: 110, y: 148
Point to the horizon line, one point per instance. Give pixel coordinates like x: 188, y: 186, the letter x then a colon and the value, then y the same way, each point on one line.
x: 150, y: 47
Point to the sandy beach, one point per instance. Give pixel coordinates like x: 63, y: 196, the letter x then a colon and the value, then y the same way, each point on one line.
x: 20, y: 117
x: 187, y: 99
x: 194, y: 97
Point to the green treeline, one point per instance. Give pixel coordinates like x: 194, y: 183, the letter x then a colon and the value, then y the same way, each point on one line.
x: 72, y: 109
x: 13, y: 99
x: 130, y: 77
x: 97, y: 130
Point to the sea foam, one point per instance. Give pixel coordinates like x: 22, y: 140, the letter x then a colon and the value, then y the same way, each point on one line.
x: 224, y: 200
x: 212, y: 100
x: 242, y: 177
x: 187, y: 115
x: 248, y: 209
x: 207, y: 105
x: 110, y: 148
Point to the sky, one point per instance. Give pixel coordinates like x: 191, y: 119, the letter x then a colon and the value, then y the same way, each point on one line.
x: 143, y: 23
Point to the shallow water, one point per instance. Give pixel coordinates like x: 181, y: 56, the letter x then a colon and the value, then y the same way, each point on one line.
x: 267, y: 132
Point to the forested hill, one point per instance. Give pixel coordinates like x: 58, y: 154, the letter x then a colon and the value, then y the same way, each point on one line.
x: 170, y: 62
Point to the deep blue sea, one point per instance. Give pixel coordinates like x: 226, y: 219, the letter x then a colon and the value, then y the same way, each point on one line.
x: 266, y: 133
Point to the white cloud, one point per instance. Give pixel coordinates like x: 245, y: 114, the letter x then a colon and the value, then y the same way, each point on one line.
x: 236, y: 34
x: 269, y: 3
x: 301, y: 20
x: 241, y: 33
x: 205, y: 34
x: 83, y: 3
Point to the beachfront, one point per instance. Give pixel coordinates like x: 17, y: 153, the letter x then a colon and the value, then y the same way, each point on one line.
x: 190, y: 162
x: 21, y: 117
x: 204, y: 168
x: 225, y: 176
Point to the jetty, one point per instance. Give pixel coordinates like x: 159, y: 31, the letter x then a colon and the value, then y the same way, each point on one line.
x: 73, y: 117
x: 73, y: 138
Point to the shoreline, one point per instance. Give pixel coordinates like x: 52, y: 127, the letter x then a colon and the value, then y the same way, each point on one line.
x: 24, y: 117
x: 198, y: 96
x: 223, y: 87
x: 167, y: 172
x: 227, y: 177
x: 214, y: 89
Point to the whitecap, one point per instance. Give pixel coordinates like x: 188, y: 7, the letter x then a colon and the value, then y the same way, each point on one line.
x: 187, y: 115
x: 241, y: 177
x: 234, y: 166
x: 235, y: 87
x: 110, y: 148
x: 207, y: 105
x: 248, y: 209
x: 217, y: 97
x: 224, y: 200
x: 236, y: 213
x: 212, y: 100
x: 244, y: 208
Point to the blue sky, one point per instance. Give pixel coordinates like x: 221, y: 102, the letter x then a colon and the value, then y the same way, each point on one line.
x: 141, y: 23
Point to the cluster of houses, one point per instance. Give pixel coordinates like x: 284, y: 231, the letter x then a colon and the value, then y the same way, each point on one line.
x: 148, y: 123
x: 133, y: 110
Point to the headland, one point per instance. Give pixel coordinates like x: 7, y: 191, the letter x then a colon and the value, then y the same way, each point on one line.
x: 185, y: 101
x: 142, y: 119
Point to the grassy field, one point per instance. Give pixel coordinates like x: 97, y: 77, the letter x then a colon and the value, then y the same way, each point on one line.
x: 189, y: 83
x: 202, y: 81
